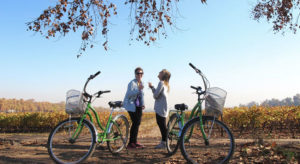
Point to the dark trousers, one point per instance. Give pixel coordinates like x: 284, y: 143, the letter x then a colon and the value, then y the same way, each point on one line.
x: 136, y: 118
x: 162, y: 123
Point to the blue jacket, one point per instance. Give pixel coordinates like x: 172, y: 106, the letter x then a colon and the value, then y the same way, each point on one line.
x: 131, y: 95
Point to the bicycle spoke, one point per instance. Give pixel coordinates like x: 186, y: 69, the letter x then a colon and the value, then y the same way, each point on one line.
x: 173, y: 134
x: 210, y: 128
x: 119, y: 134
x: 220, y: 144
x: 63, y: 149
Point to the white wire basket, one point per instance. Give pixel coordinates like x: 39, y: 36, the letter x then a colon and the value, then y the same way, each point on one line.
x: 74, y: 102
x: 214, y: 101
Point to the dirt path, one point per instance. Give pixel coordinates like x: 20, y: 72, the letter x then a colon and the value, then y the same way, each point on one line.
x: 31, y: 148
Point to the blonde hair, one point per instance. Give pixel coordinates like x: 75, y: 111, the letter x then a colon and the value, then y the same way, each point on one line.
x: 166, y: 78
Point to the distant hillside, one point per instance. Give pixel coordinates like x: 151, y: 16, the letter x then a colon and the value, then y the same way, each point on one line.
x: 15, y: 105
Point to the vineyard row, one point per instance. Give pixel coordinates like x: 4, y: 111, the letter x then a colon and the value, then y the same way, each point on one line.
x: 240, y: 120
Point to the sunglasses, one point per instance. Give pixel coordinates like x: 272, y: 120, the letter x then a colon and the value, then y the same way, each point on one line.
x: 139, y: 73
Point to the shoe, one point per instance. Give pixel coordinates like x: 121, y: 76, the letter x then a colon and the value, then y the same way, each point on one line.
x: 162, y: 145
x: 131, y: 146
x: 138, y: 145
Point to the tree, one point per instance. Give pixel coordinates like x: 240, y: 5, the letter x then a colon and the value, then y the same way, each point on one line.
x: 283, y: 14
x: 149, y: 18
x: 296, y: 99
x: 272, y: 102
x: 250, y: 104
x: 287, y: 102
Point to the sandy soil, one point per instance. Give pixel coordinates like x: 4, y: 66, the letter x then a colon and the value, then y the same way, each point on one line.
x: 31, y: 148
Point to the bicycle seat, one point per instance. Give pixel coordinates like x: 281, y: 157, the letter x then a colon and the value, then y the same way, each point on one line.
x: 115, y: 104
x: 181, y: 107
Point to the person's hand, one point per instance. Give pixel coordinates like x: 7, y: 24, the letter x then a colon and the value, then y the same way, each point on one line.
x: 141, y: 87
x: 150, y: 85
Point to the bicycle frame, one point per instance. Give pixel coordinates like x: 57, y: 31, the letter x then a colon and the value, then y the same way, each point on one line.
x: 101, y: 137
x: 198, y: 109
x: 181, y: 115
x: 196, y: 112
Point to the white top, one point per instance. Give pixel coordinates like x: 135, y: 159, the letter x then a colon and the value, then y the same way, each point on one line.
x: 160, y: 96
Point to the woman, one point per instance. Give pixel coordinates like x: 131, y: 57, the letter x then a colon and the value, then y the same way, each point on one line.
x: 134, y: 104
x: 160, y: 105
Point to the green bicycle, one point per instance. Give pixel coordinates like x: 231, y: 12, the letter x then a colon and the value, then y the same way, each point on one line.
x: 175, y: 126
x: 74, y: 140
x: 177, y: 120
x: 203, y: 139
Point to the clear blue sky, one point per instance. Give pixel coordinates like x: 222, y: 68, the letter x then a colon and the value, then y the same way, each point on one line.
x: 236, y: 53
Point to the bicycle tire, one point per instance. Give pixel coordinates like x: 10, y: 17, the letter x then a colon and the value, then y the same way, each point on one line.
x: 119, y: 132
x: 220, y: 145
x: 63, y: 150
x: 173, y: 134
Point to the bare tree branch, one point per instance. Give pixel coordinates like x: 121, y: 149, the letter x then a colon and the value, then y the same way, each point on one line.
x: 149, y: 18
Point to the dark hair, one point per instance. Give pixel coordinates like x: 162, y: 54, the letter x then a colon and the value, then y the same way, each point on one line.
x: 138, y: 69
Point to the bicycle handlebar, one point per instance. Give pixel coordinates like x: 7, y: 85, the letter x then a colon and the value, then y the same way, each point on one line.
x: 88, y: 80
x: 196, y: 69
x: 198, y: 90
x: 205, y: 81
x: 106, y: 91
x: 101, y: 92
x: 192, y: 66
x: 93, y: 76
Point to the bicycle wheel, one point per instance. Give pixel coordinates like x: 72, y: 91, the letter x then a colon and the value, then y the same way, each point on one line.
x: 63, y: 149
x: 173, y: 134
x: 118, y: 133
x: 219, y: 148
